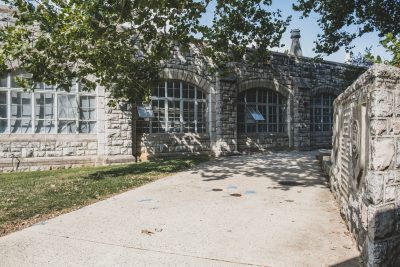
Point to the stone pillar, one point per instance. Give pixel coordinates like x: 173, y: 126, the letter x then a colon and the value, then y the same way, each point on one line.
x: 226, y: 117
x: 365, y: 174
x: 301, y: 117
x: 101, y: 125
x: 118, y: 133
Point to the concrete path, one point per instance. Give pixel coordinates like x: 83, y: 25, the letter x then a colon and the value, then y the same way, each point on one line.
x: 281, y: 214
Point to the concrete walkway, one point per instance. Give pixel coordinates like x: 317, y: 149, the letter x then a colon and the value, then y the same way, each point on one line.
x: 281, y: 213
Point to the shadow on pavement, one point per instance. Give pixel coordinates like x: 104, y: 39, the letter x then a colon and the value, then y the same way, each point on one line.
x: 287, y: 169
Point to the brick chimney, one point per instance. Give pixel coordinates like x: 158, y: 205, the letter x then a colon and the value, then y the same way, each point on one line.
x: 295, y: 50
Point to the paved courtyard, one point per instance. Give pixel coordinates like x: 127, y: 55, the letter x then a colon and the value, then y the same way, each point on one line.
x: 259, y: 210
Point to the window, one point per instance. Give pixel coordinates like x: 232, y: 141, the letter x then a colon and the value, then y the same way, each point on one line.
x: 261, y: 111
x: 322, y: 113
x: 46, y: 110
x: 44, y: 113
x: 87, y: 116
x: 3, y: 112
x: 21, y: 112
x: 67, y: 113
x: 178, y: 107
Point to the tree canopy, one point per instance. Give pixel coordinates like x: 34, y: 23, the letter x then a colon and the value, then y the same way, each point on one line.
x: 344, y: 20
x: 120, y: 44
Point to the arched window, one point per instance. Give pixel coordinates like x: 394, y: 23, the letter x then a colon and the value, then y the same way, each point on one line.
x: 262, y: 111
x: 178, y: 107
x: 322, y: 112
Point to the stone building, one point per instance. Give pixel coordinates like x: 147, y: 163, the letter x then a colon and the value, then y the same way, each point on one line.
x: 285, y: 104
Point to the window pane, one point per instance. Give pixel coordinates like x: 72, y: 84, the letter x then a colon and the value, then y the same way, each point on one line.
x: 202, y: 117
x: 188, y: 91
x: 262, y: 96
x: 3, y: 105
x: 88, y: 108
x: 3, y: 111
x: 272, y: 97
x: 45, y: 127
x: 44, y: 113
x: 161, y: 89
x: 200, y: 94
x: 87, y: 114
x: 188, y: 116
x: 3, y: 126
x: 3, y: 98
x: 249, y: 117
x: 21, y: 105
x: 66, y: 127
x: 173, y: 89
x: 322, y: 113
x: 14, y: 77
x: 49, y: 87
x: 67, y: 107
x: 158, y: 122
x: 87, y: 127
x: 21, y: 126
x: 174, y: 124
x: 251, y: 96
x: 3, y: 80
x: 39, y: 86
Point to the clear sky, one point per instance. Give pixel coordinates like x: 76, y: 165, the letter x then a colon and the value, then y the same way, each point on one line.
x: 309, y: 31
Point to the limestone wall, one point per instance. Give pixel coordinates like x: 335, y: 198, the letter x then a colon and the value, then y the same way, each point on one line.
x: 365, y: 175
x: 298, y: 79
x: 51, y: 152
x: 111, y: 143
x: 117, y: 133
x: 254, y: 142
x: 173, y: 145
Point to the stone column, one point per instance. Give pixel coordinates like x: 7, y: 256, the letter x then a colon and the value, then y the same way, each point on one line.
x: 118, y: 133
x: 301, y: 117
x: 226, y: 117
x: 101, y: 125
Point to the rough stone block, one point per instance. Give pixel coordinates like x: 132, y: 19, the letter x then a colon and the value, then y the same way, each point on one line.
x: 382, y: 154
x: 378, y: 252
x: 396, y: 126
x: 113, y: 151
x: 398, y: 154
x: 390, y: 193
x: 27, y: 153
x: 381, y: 103
x: 378, y: 127
x: 381, y: 222
x: 374, y: 188
x: 92, y: 146
x: 69, y: 151
x: 51, y: 154
x: 397, y: 103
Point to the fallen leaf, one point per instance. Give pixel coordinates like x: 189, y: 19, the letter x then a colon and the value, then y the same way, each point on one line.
x: 147, y: 232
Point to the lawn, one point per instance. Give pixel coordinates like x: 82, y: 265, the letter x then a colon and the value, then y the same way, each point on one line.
x: 27, y: 198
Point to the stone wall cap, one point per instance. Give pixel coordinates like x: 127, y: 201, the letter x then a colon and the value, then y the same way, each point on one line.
x: 374, y: 72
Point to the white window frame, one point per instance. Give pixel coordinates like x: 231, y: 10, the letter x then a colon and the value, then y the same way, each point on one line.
x: 78, y: 93
x: 181, y: 100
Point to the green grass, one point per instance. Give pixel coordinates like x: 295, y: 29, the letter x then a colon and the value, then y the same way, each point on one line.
x: 27, y: 198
